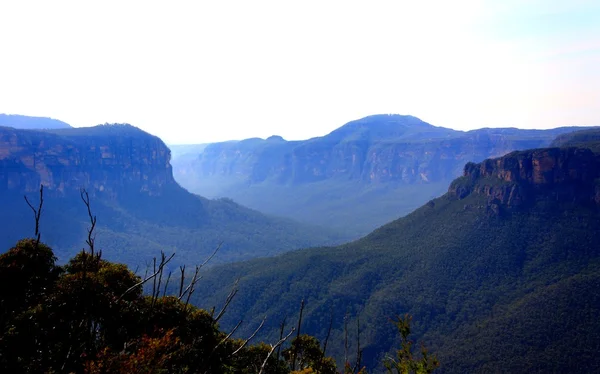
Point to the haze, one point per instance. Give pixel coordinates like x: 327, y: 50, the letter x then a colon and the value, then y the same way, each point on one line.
x: 193, y: 72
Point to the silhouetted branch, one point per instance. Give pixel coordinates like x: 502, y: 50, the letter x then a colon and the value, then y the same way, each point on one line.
x: 279, y: 343
x: 358, y: 350
x: 297, y: 335
x: 181, y: 280
x: 166, y: 284
x: 234, y: 291
x: 192, y: 286
x: 141, y: 283
x: 281, y: 328
x: 228, y: 336
x: 37, y: 213
x: 251, y: 336
x: 346, y: 339
x: 91, y: 237
x: 326, y: 339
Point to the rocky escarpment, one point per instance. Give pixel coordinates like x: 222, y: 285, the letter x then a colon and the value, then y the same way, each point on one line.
x: 519, y: 178
x: 105, y: 160
x: 374, y: 150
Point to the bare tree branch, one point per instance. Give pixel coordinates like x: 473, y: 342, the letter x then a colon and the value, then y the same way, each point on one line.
x: 297, y: 335
x: 251, y: 336
x: 346, y: 339
x: 234, y: 291
x: 281, y: 328
x: 279, y: 343
x: 227, y: 337
x: 91, y: 237
x: 181, y: 280
x: 326, y: 339
x: 37, y: 213
x: 358, y: 350
x: 167, y: 284
x: 141, y: 283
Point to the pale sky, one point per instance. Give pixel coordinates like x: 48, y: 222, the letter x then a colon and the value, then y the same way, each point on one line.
x: 204, y: 71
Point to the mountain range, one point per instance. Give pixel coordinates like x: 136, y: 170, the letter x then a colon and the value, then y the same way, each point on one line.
x: 500, y: 274
x: 140, y: 208
x: 355, y: 179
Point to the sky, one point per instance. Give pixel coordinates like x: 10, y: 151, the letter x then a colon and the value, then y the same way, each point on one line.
x: 206, y: 71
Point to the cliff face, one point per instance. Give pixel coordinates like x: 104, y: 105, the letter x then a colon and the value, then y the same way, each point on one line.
x: 374, y: 150
x: 105, y: 160
x: 559, y: 174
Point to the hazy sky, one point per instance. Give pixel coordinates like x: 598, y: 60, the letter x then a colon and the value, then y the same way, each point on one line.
x: 199, y: 71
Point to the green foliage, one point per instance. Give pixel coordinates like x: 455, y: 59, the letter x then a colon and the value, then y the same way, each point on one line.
x: 454, y: 267
x: 406, y: 363
x: 134, y: 227
x: 91, y: 316
x: 588, y: 138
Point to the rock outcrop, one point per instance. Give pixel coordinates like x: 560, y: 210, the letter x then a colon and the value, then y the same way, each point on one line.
x: 558, y: 174
x: 105, y: 159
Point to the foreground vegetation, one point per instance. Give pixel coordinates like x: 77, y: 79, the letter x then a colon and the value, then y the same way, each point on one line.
x: 91, y: 315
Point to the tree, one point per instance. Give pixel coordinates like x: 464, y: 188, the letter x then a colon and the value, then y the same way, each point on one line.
x: 406, y: 363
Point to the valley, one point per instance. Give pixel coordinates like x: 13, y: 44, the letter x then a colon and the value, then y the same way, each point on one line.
x: 355, y: 179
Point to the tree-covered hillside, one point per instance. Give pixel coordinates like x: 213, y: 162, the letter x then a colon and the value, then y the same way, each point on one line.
x: 140, y: 208
x: 501, y: 273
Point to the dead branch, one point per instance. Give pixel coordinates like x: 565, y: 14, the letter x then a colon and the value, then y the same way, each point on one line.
x: 358, y: 350
x: 37, y: 213
x: 230, y: 297
x: 326, y: 339
x: 281, y: 328
x: 191, y: 285
x: 227, y: 337
x: 251, y: 336
x: 195, y: 279
x: 297, y: 336
x: 91, y: 236
x: 346, y: 339
x: 167, y: 284
x: 142, y: 282
x: 279, y: 343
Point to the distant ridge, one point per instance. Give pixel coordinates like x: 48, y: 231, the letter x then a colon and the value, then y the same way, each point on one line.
x: 360, y: 176
x: 31, y: 123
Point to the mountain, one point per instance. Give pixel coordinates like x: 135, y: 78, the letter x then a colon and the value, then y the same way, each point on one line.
x: 139, y: 206
x: 589, y: 138
x: 500, y: 274
x: 28, y: 122
x: 358, y: 177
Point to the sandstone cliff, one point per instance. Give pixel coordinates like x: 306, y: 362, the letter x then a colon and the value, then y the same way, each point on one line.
x: 105, y: 160
x: 559, y: 174
x: 376, y: 149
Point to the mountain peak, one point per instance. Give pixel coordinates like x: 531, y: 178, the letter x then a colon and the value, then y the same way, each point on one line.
x: 388, y: 127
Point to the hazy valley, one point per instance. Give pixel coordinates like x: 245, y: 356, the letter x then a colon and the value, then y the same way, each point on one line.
x: 355, y: 179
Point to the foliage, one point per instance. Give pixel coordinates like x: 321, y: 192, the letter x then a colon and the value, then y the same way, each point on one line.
x: 406, y: 363
x: 455, y: 268
x: 91, y: 315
